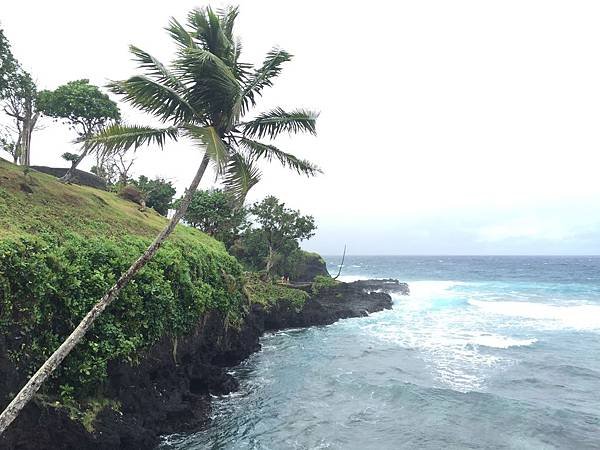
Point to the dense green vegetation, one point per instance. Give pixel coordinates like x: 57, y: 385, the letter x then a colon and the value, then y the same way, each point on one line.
x: 54, y: 267
x: 158, y: 193
x: 264, y: 236
x: 267, y: 293
x: 47, y: 288
x: 322, y: 282
x: 215, y: 212
x: 270, y: 239
x: 62, y: 246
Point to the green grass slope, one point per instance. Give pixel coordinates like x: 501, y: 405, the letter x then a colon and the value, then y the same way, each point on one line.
x: 34, y: 203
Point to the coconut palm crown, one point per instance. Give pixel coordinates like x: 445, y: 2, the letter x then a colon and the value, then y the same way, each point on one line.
x: 205, y: 95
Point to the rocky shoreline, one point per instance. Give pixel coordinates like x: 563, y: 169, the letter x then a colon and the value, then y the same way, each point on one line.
x: 170, y: 390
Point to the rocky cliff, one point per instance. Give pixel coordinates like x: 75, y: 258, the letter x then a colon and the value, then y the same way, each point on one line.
x: 170, y: 389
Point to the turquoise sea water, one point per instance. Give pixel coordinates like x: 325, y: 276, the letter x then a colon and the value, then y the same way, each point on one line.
x: 486, y: 352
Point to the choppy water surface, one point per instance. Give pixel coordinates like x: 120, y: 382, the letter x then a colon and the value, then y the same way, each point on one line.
x: 486, y: 352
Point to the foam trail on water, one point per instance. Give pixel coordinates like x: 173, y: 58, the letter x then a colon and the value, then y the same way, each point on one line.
x: 581, y: 317
x: 497, y: 341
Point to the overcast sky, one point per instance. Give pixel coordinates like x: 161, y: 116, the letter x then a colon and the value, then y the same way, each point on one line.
x: 446, y: 127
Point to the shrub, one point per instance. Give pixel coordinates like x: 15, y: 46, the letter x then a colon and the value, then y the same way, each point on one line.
x: 322, y: 282
x: 158, y: 193
x: 45, y: 290
x: 268, y: 293
x: 216, y: 213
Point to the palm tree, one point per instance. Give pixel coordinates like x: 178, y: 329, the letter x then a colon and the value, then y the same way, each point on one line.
x: 203, y: 96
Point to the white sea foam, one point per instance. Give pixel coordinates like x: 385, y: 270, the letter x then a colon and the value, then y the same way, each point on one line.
x: 581, y: 317
x: 497, y: 341
x: 428, y: 288
x: 430, y: 295
x: 435, y: 321
x: 456, y: 332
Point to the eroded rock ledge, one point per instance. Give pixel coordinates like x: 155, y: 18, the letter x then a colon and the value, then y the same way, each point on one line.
x: 170, y: 391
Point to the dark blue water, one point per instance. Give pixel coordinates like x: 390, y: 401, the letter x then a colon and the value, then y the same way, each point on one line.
x: 486, y: 352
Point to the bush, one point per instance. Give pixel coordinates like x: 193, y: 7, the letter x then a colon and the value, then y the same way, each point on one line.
x: 158, y: 193
x: 45, y: 290
x: 215, y: 212
x: 322, y: 282
x: 268, y: 293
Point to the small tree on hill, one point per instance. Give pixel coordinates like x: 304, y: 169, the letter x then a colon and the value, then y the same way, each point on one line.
x: 20, y: 105
x: 214, y: 212
x: 18, y: 93
x: 83, y: 107
x: 280, y: 228
x: 158, y: 193
x: 70, y: 157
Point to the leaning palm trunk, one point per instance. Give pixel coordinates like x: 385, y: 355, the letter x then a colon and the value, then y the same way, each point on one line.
x: 34, y: 383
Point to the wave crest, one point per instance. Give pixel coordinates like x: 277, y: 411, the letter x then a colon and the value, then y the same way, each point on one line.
x: 497, y: 341
x: 581, y: 317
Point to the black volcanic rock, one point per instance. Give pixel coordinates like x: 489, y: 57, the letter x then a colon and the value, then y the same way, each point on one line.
x: 389, y: 285
x: 79, y: 177
x: 331, y: 304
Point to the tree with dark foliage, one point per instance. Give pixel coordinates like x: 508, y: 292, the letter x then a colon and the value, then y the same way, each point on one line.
x: 215, y: 212
x: 276, y: 232
x: 83, y: 107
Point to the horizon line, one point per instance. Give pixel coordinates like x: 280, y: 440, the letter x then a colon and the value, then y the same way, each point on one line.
x: 574, y: 255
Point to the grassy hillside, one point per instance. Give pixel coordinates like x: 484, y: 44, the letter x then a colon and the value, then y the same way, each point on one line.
x: 34, y: 203
x: 62, y: 246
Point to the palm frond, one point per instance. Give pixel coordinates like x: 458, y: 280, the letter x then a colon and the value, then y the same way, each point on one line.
x: 124, y: 137
x: 277, y: 121
x: 197, y: 63
x: 154, y: 97
x: 156, y: 69
x: 263, y: 76
x: 216, y: 149
x: 240, y: 177
x: 207, y: 28
x: 212, y: 85
x: 257, y: 150
x: 228, y: 16
x: 179, y: 34
x: 240, y: 69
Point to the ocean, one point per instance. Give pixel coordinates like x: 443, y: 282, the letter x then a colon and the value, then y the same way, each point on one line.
x: 490, y: 352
